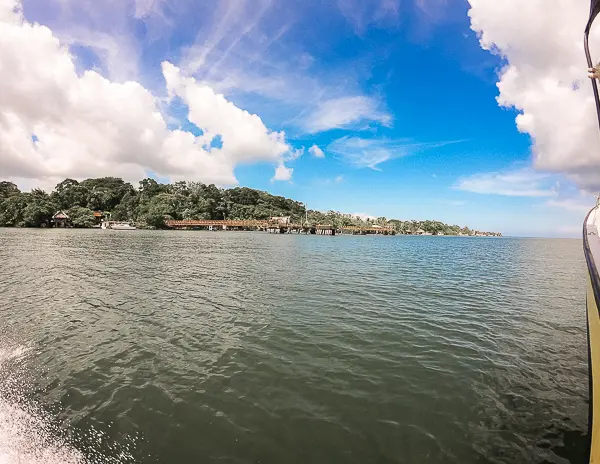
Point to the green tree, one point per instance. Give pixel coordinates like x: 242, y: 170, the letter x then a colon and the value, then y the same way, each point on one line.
x: 81, y: 216
x: 70, y: 193
x: 152, y: 202
x: 105, y: 193
x: 381, y: 221
x: 126, y: 209
x: 8, y: 189
x: 39, y: 209
x: 149, y: 188
x: 12, y: 210
x: 159, y: 208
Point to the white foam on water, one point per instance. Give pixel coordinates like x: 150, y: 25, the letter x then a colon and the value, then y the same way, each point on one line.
x: 17, y: 352
x: 27, y: 435
x: 25, y: 438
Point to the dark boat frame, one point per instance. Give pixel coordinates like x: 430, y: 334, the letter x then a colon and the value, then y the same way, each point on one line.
x: 591, y: 248
x: 594, y: 11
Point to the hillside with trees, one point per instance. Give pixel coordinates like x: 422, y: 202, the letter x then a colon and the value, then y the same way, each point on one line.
x: 151, y: 203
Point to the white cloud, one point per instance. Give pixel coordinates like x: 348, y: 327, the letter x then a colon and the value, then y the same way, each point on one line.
x: 283, y: 173
x: 145, y: 8
x: 545, y: 79
x: 581, y: 204
x: 365, y: 152
x: 244, y: 135
x: 244, y: 49
x: 104, y: 29
x: 294, y: 154
x: 328, y: 181
x: 345, y: 112
x: 517, y: 183
x: 316, y: 151
x: 88, y: 126
x: 370, y: 153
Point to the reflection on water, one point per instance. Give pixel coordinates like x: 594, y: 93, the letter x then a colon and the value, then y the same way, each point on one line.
x: 247, y: 347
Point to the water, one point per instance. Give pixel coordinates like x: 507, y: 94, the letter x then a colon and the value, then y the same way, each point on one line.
x: 185, y: 347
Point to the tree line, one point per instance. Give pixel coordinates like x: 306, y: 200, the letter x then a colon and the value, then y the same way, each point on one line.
x: 151, y: 203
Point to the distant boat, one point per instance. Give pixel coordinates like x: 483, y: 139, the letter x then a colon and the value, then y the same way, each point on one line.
x: 123, y: 226
x: 116, y: 225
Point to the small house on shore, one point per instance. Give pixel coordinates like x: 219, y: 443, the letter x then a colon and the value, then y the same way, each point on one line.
x: 61, y: 219
x: 98, y: 216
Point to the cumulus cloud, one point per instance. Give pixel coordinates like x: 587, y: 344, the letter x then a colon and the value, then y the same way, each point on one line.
x: 56, y: 123
x: 316, y: 151
x: 283, y: 173
x: 545, y: 79
x: 523, y: 182
x: 244, y: 136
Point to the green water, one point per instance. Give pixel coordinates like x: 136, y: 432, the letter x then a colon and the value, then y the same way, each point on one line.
x: 227, y: 347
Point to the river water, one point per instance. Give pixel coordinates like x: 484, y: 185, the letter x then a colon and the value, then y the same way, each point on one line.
x: 233, y: 347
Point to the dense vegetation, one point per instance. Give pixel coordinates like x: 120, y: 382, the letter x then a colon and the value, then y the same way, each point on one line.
x: 152, y: 203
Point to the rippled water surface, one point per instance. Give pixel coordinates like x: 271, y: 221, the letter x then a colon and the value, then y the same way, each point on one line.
x: 194, y: 347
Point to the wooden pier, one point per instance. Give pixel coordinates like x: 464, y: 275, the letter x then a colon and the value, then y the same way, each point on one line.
x: 211, y: 224
x: 274, y: 227
x: 368, y: 230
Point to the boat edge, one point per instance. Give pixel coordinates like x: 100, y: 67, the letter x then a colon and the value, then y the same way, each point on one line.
x: 593, y: 338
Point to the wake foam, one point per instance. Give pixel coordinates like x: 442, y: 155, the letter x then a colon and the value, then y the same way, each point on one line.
x: 24, y: 437
x: 26, y: 433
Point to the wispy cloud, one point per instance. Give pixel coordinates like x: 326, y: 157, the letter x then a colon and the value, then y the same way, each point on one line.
x: 361, y: 14
x: 231, y: 28
x: 246, y: 49
x: 523, y: 182
x: 145, y: 8
x: 293, y: 154
x: 370, y: 153
x: 330, y: 180
x: 345, y: 112
x: 434, y: 10
x: 581, y: 204
x: 249, y: 51
x: 102, y: 29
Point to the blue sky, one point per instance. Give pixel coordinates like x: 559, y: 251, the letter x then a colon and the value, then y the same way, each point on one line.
x: 400, y: 97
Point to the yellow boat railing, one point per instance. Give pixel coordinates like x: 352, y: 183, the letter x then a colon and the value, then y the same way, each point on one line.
x: 591, y: 246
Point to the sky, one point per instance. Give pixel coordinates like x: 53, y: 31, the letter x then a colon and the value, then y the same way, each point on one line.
x: 473, y: 112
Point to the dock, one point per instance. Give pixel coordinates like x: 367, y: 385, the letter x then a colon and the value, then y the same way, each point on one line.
x: 275, y: 227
